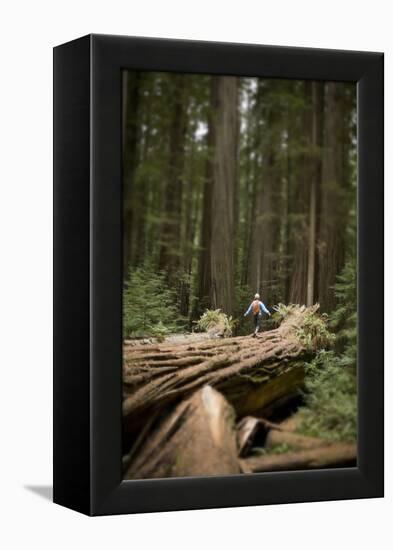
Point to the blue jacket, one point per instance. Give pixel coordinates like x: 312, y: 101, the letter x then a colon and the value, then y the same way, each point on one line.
x: 262, y: 308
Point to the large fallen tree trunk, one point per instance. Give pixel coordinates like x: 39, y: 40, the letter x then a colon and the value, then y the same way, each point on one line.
x: 278, y: 435
x: 332, y: 455
x: 259, y: 432
x: 252, y: 373
x: 198, y: 438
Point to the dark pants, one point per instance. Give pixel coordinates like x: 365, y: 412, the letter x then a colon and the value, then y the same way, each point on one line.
x: 257, y: 319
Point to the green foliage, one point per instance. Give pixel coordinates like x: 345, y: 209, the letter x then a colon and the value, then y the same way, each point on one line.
x: 331, y: 386
x: 331, y: 400
x: 344, y: 319
x: 281, y: 311
x: 217, y: 321
x: 314, y: 332
x: 148, y: 305
x: 279, y: 449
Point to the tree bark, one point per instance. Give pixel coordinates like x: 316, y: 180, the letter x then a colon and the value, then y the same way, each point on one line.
x: 333, y: 207
x: 225, y: 117
x: 196, y: 439
x: 257, y: 432
x: 204, y: 266
x: 131, y: 132
x: 247, y: 429
x: 300, y: 207
x: 170, y: 229
x: 333, y: 455
x: 263, y: 237
x: 261, y: 250
x: 315, y: 174
x: 252, y: 373
x: 279, y: 435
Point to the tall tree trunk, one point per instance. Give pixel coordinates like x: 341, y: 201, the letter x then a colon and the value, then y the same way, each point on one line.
x: 261, y: 264
x: 300, y: 203
x: 130, y: 160
x: 252, y: 206
x: 170, y: 230
x: 140, y: 199
x: 224, y: 167
x: 332, y: 217
x: 206, y: 230
x: 287, y: 206
x: 247, y: 197
x: 315, y: 179
x: 187, y: 238
x: 216, y: 265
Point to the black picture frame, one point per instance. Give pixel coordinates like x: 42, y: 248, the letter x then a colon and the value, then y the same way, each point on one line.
x: 88, y: 274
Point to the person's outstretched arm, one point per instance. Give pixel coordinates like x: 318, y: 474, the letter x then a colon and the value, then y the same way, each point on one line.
x: 248, y: 310
x: 264, y: 308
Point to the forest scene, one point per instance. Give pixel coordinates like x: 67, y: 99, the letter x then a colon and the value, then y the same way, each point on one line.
x: 239, y: 274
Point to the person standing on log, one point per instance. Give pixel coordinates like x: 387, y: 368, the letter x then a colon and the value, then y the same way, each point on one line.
x: 257, y: 308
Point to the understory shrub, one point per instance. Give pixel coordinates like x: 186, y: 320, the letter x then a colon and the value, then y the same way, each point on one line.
x: 330, y: 409
x: 149, y: 307
x: 217, y: 321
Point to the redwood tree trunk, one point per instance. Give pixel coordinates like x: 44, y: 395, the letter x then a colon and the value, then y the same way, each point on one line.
x: 131, y: 132
x: 300, y: 205
x: 225, y: 116
x: 207, y: 209
x: 170, y: 230
x: 333, y: 208
x: 315, y: 175
x: 264, y: 234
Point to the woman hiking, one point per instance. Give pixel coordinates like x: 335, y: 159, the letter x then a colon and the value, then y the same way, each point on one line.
x: 257, y: 307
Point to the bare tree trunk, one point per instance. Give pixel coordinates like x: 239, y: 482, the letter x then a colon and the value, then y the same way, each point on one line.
x: 332, y: 216
x: 170, y: 230
x: 300, y: 202
x: 261, y: 239
x: 315, y: 177
x: 130, y: 161
x: 224, y: 163
x: 264, y: 229
x: 207, y: 209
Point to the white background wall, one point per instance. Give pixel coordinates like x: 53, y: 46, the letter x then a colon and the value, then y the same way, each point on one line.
x: 29, y: 30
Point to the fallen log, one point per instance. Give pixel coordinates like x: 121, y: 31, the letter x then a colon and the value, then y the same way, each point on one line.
x: 291, y: 423
x: 196, y: 439
x: 328, y: 456
x: 247, y: 429
x: 270, y: 435
x: 279, y: 434
x: 252, y: 373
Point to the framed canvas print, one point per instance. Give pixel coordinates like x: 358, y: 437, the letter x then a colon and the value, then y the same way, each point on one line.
x: 218, y: 274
